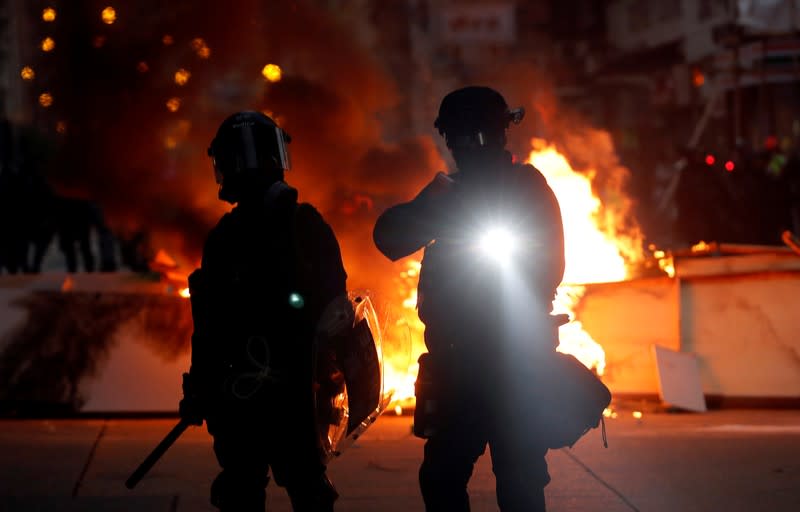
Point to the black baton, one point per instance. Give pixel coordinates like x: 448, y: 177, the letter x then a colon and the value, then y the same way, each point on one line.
x: 156, y: 454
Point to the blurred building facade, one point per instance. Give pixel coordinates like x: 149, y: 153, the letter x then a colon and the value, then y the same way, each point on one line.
x: 13, y: 27
x: 713, y: 86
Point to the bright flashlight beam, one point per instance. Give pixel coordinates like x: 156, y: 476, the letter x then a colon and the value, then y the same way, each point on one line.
x: 498, y: 244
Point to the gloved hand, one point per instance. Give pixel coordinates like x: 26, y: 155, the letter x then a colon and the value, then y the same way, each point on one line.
x: 191, y: 408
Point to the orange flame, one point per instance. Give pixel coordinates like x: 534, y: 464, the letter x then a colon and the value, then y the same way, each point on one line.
x: 592, y: 254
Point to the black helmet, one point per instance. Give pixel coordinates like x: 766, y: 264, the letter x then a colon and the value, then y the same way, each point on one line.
x: 248, y: 146
x: 475, y: 116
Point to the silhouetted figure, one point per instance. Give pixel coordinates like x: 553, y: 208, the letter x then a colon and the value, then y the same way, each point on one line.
x: 72, y: 221
x: 268, y: 269
x: 471, y: 387
x: 14, y: 221
x: 76, y: 217
x: 136, y: 251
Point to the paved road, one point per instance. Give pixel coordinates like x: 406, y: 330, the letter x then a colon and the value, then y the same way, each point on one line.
x: 719, y: 461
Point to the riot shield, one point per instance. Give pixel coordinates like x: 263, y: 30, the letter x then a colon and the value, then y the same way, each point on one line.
x: 348, y: 369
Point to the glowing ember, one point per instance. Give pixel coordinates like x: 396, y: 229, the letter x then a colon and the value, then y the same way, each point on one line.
x: 665, y: 261
x: 609, y: 412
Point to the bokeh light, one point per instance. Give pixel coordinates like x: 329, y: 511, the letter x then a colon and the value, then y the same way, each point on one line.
x: 182, y: 76
x: 45, y: 99
x: 27, y: 73
x: 272, y: 72
x: 49, y: 14
x: 142, y: 67
x: 167, y: 40
x: 173, y: 104
x: 201, y: 48
x: 108, y: 15
x: 48, y: 44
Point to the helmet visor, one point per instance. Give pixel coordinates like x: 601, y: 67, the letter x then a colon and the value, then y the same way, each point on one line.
x: 250, y: 146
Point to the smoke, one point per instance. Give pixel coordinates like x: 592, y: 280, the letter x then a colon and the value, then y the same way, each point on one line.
x: 147, y: 166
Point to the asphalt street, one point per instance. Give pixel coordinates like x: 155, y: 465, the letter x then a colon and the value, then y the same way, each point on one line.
x: 727, y: 460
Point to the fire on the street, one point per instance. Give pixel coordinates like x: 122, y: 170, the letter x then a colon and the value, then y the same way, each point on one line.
x: 593, y: 251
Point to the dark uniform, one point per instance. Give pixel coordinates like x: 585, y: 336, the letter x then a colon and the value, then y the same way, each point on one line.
x: 477, y: 362
x: 269, y: 268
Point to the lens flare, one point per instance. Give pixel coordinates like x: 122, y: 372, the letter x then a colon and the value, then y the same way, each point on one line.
x: 499, y: 244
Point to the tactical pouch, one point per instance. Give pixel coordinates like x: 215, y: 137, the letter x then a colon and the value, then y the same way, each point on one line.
x: 427, y: 411
x: 574, y: 401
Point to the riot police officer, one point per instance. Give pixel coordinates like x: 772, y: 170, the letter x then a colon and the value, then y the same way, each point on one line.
x: 269, y: 268
x: 486, y: 312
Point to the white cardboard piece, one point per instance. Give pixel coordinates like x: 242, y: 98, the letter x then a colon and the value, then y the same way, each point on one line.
x: 679, y: 379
